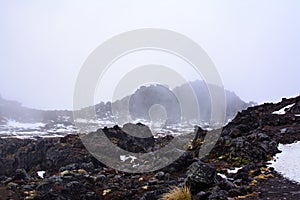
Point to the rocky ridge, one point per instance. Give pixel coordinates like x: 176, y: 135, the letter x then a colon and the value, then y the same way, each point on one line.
x: 247, y: 142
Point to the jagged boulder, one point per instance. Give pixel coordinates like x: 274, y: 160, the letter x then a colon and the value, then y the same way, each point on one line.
x: 200, y: 176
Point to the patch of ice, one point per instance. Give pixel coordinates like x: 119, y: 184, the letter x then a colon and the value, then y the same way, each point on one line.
x: 288, y: 161
x: 282, y: 110
x: 41, y: 174
x: 297, y: 115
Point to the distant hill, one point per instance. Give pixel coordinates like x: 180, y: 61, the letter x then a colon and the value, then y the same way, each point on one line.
x: 14, y: 110
x: 137, y: 105
x: 174, y: 100
x: 233, y: 102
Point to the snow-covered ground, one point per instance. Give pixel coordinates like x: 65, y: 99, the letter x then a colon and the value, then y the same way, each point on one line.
x: 282, y: 110
x: 15, y: 124
x: 288, y: 161
x: 14, y: 129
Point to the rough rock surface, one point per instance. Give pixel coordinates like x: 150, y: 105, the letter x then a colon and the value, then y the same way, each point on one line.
x: 71, y: 172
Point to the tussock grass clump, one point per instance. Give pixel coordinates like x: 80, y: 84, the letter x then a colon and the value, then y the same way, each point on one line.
x: 178, y: 193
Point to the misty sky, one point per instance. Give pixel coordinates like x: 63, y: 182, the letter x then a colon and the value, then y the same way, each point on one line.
x: 254, y: 44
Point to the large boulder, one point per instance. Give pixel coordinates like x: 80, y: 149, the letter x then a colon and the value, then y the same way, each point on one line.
x: 200, y: 176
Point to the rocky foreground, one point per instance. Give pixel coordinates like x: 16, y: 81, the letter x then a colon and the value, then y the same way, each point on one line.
x: 71, y: 172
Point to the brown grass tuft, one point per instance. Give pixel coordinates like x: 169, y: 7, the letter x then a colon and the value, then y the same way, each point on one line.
x: 178, y: 194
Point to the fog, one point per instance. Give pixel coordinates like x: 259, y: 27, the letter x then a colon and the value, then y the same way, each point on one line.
x: 254, y: 44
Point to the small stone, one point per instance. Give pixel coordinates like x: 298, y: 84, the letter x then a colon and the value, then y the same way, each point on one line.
x: 152, y: 181
x: 21, y: 174
x: 12, y: 185
x: 27, y: 187
x: 100, y: 178
x: 201, y: 195
x: 160, y: 175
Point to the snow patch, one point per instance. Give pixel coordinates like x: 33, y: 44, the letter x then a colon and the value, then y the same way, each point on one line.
x: 41, y: 174
x: 15, y: 124
x: 283, y: 130
x: 222, y: 175
x: 288, y: 161
x: 234, y: 171
x: 282, y: 110
x: 123, y: 158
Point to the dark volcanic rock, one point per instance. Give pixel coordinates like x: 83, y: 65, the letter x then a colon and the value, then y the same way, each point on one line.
x: 254, y: 134
x: 250, y: 140
x: 200, y: 176
x: 127, y: 138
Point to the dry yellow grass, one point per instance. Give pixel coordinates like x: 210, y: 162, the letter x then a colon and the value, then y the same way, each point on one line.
x: 253, y: 183
x: 264, y: 176
x: 254, y: 194
x: 178, y: 194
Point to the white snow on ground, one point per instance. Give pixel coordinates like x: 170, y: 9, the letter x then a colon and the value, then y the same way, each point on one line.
x: 288, y: 161
x: 234, y: 171
x: 297, y: 115
x: 283, y: 130
x: 15, y: 124
x: 86, y: 121
x: 282, y: 110
x: 123, y: 158
x: 41, y: 174
x: 14, y: 129
x: 230, y: 171
x: 222, y: 175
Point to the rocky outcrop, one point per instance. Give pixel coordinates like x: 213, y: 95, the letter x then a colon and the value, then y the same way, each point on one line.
x: 254, y: 134
x: 249, y: 141
x: 201, y: 175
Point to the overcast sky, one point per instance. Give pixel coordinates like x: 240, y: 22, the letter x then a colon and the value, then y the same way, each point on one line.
x: 254, y: 44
